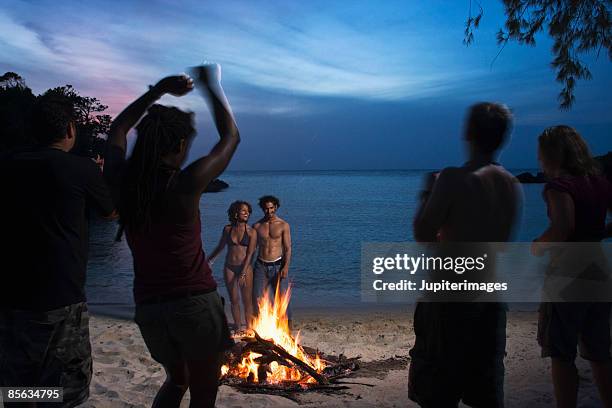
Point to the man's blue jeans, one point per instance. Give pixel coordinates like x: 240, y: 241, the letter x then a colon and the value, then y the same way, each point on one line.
x: 266, y: 276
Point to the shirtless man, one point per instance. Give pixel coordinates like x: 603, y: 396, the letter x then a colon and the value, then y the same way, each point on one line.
x: 274, y: 241
x: 459, y: 347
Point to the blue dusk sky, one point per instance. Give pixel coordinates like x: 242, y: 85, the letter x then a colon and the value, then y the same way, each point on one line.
x: 313, y: 84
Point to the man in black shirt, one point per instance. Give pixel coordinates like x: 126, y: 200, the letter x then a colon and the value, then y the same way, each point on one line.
x: 47, y: 193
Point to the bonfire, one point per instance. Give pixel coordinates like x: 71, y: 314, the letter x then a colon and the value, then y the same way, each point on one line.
x: 267, y: 356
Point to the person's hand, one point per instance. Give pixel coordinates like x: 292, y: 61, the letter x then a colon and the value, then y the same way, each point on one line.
x: 243, y: 275
x: 284, y: 272
x: 537, y: 249
x: 177, y: 85
x: 210, y: 262
x: 208, y: 74
x: 99, y: 161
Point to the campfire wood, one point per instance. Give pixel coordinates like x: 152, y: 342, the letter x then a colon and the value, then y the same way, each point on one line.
x: 341, y: 369
x: 336, y: 367
x: 292, y: 389
x: 290, y: 392
x: 284, y: 354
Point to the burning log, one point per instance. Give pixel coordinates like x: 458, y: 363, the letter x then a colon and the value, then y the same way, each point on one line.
x: 262, y: 380
x: 262, y: 373
x: 285, y: 355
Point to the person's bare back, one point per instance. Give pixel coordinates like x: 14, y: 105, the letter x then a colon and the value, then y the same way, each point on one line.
x: 479, y: 203
x: 473, y: 203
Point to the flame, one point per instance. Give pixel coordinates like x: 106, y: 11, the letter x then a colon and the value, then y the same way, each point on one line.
x: 272, y: 324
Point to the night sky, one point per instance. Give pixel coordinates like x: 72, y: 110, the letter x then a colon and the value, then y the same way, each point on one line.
x: 315, y: 84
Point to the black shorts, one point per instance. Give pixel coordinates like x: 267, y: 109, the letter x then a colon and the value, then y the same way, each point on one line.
x: 47, y: 349
x: 563, y: 327
x: 189, y: 328
x: 458, y: 355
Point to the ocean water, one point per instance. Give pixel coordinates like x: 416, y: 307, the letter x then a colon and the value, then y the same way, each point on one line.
x: 330, y: 212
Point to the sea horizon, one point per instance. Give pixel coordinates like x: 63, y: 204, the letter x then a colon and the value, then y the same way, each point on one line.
x: 510, y: 169
x: 331, y: 213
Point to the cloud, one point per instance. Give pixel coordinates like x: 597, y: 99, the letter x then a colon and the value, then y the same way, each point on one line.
x: 55, y: 58
x: 278, y: 58
x: 22, y: 42
x: 322, y: 55
x: 317, y: 54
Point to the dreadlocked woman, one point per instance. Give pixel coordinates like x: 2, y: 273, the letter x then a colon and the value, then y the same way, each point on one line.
x: 178, y: 310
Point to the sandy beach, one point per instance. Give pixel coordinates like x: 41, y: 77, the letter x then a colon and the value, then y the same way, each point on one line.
x: 126, y: 376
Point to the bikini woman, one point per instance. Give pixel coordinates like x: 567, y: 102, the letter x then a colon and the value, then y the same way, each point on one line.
x: 241, y: 241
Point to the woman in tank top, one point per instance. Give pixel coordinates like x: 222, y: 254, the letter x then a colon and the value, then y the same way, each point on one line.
x: 178, y: 310
x: 578, y: 199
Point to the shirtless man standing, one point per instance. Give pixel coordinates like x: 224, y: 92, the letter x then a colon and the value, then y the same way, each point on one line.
x: 459, y: 347
x: 274, y: 241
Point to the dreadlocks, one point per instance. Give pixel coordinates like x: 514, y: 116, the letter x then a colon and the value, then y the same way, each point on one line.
x: 159, y: 133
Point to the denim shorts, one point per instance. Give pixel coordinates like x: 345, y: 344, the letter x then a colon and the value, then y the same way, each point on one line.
x: 47, y: 349
x: 189, y: 328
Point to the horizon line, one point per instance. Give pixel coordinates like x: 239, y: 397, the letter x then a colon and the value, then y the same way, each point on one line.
x: 370, y: 169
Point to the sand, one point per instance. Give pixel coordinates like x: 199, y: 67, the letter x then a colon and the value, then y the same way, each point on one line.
x: 126, y: 376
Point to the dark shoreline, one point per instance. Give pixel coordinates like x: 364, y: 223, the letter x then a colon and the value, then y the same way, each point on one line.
x: 125, y: 311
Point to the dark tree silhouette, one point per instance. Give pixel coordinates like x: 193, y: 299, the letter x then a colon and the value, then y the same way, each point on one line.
x: 16, y: 101
x: 91, y: 124
x: 576, y: 27
x: 11, y: 80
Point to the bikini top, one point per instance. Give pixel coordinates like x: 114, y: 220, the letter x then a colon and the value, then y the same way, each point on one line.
x: 243, y: 242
